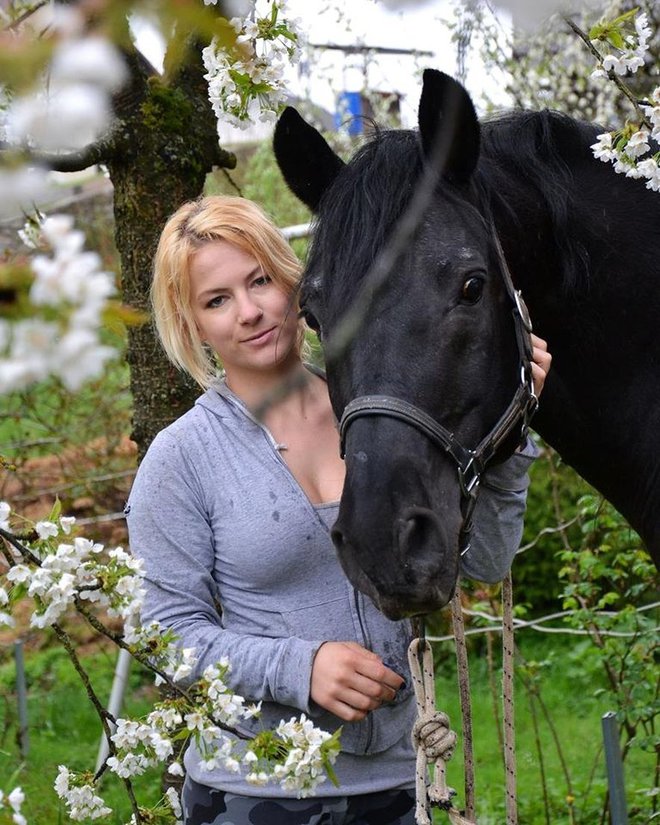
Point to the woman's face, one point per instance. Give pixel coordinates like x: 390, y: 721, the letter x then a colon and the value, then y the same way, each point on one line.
x: 246, y: 319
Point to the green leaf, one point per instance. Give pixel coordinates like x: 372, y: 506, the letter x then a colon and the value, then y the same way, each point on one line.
x: 616, y: 39
x: 56, y: 512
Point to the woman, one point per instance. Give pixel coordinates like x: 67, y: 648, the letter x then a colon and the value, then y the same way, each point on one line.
x: 232, y: 516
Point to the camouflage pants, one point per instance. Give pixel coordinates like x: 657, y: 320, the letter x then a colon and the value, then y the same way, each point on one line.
x: 206, y: 806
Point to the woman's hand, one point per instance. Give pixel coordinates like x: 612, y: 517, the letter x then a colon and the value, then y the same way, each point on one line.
x: 349, y: 680
x: 541, y: 360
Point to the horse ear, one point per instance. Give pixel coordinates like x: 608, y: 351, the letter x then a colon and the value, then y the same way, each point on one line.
x: 447, y: 121
x: 306, y: 161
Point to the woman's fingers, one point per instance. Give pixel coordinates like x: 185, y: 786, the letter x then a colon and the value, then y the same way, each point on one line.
x: 350, y: 681
x: 541, y: 361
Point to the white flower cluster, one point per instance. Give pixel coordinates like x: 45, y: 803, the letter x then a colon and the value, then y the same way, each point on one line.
x: 246, y: 83
x: 73, y: 106
x: 631, y: 54
x: 14, y: 800
x: 306, y: 763
x: 68, y: 294
x: 76, y: 570
x: 79, y: 795
x: 629, y: 149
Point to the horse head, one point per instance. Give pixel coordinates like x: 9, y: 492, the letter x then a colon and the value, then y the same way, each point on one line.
x: 404, y: 285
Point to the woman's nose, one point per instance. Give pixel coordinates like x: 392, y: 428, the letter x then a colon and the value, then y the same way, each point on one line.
x: 248, y: 311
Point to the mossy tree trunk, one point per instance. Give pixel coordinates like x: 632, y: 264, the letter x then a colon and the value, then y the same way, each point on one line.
x: 163, y: 144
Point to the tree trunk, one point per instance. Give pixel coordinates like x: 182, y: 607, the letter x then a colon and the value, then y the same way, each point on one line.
x: 164, y: 147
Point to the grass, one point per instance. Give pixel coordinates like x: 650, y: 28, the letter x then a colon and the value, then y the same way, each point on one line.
x: 64, y: 729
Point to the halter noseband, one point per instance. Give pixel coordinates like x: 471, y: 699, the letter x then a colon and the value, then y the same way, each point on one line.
x: 470, y: 463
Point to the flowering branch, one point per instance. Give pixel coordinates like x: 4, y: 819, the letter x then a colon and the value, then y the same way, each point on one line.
x: 101, y: 712
x: 629, y: 148
x: 245, y: 83
x: 611, y: 74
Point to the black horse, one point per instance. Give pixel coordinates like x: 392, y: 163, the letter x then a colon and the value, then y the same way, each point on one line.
x: 430, y: 320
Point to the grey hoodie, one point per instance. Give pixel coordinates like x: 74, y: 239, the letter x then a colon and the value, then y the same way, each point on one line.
x: 240, y: 564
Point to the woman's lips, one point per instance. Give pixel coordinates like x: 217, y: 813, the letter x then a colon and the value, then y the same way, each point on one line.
x: 260, y: 337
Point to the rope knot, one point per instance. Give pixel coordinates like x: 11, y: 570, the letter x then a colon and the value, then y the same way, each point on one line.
x: 431, y: 733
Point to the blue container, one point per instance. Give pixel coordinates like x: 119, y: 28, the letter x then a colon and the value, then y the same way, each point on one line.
x: 349, y: 113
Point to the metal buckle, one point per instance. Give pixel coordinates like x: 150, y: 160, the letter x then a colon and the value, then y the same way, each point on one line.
x: 523, y: 312
x: 469, y: 478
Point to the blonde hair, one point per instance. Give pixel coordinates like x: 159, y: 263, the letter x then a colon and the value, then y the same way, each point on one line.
x: 196, y: 223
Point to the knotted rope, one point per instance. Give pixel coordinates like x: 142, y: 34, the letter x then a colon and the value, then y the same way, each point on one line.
x: 432, y: 737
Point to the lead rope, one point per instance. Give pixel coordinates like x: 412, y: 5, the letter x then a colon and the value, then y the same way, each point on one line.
x: 432, y: 737
x: 466, y: 704
x: 507, y: 697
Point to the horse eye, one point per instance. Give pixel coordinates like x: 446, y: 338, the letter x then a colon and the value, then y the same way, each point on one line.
x: 472, y: 289
x: 310, y: 320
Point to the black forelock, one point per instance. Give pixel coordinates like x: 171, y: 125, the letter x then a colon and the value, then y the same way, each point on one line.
x: 363, y: 204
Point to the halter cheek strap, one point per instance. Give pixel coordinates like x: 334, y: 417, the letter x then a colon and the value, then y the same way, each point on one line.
x: 470, y: 463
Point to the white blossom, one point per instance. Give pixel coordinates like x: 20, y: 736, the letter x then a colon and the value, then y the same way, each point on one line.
x: 71, y: 282
x: 603, y: 150
x: 81, y: 568
x: 5, y: 510
x: 260, y: 95
x: 66, y: 523
x: 81, y: 800
x: 46, y: 529
x: 638, y: 144
x: 175, y: 803
x: 66, y: 118
x: 93, y: 60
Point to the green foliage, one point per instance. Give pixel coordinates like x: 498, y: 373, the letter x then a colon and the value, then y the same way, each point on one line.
x: 565, y: 676
x: 614, y: 31
x: 606, y: 580
x: 550, y: 527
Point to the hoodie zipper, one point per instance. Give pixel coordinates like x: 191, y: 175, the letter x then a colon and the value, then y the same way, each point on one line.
x: 367, y: 643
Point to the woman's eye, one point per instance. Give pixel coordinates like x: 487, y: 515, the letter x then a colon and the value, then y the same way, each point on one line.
x: 216, y: 301
x: 310, y: 320
x: 472, y: 290
x: 262, y: 280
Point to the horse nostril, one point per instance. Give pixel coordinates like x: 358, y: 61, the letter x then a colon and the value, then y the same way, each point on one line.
x: 418, y: 530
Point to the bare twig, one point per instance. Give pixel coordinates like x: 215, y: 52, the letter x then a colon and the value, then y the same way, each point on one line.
x: 10, y: 538
x: 24, y: 16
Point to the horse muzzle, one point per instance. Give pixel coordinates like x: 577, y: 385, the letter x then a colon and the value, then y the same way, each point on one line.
x: 407, y: 576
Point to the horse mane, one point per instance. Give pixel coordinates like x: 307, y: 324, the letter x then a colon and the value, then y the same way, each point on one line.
x: 540, y: 151
x: 528, y: 164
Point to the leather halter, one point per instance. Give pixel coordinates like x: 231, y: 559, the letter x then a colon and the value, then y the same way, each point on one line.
x: 470, y: 463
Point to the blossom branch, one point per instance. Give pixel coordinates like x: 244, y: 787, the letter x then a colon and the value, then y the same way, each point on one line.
x: 611, y: 74
x: 104, y: 715
x: 10, y: 538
